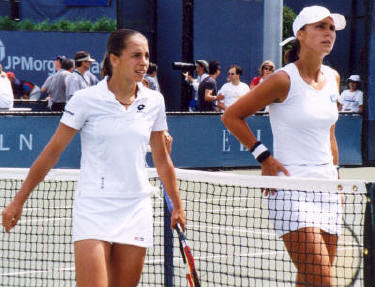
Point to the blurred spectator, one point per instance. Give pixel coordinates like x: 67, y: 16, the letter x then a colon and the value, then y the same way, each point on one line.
x: 16, y: 85
x: 207, y: 89
x: 79, y: 79
x: 234, y: 89
x: 201, y: 68
x: 30, y: 91
x: 6, y: 93
x: 93, y: 79
x: 56, y: 88
x: 152, y: 77
x: 266, y: 69
x: 57, y: 62
x: 351, y: 100
x: 2, y: 73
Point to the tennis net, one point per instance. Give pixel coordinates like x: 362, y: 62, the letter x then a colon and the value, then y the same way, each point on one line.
x: 229, y: 228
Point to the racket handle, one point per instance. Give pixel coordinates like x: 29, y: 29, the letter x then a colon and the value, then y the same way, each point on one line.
x: 167, y: 200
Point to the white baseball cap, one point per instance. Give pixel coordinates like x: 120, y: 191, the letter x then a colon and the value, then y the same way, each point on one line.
x: 354, y: 78
x: 313, y: 14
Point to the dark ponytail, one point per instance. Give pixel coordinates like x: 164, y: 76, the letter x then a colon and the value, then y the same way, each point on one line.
x: 291, y: 55
x: 115, y: 45
x: 106, y: 66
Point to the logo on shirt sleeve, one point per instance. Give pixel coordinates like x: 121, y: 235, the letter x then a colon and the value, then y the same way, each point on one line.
x: 68, y: 112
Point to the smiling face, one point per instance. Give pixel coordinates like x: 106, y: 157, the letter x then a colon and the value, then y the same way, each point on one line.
x: 132, y: 64
x: 318, y: 37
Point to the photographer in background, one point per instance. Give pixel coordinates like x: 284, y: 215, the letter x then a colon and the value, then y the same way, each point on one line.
x: 201, y: 68
x: 207, y: 90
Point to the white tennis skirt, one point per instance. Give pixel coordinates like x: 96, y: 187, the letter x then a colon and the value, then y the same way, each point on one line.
x: 115, y: 220
x: 291, y: 210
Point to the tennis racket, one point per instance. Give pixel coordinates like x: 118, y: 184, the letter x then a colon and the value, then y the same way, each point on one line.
x: 187, y: 256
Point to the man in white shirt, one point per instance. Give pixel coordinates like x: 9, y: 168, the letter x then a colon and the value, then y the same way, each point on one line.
x: 6, y: 93
x: 234, y: 89
x: 351, y: 100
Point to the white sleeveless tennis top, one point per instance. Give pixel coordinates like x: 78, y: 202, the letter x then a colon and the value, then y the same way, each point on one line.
x: 301, y: 124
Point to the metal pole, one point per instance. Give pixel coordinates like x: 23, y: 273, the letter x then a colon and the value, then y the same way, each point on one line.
x: 272, y: 30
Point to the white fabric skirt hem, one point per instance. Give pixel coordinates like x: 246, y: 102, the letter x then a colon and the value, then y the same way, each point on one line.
x: 115, y: 220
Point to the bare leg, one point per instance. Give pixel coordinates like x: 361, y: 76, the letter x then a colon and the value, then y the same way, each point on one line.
x: 92, y: 261
x: 126, y: 265
x: 312, y: 252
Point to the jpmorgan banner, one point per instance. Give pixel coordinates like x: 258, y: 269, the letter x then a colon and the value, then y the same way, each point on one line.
x: 30, y: 55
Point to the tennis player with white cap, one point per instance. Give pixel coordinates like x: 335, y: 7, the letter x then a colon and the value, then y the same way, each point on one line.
x: 112, y: 210
x: 302, y: 99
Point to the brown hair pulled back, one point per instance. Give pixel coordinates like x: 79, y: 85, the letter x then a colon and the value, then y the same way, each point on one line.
x: 115, y: 45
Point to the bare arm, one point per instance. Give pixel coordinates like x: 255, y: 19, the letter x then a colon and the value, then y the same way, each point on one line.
x: 165, y: 169
x: 334, y: 146
x: 42, y: 165
x: 273, y: 89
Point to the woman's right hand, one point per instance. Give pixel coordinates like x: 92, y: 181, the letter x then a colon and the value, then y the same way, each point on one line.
x: 11, y: 215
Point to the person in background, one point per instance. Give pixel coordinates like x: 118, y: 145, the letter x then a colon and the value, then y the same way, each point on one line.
x: 79, y: 79
x: 201, y: 68
x: 16, y: 85
x: 152, y: 77
x: 112, y: 211
x: 56, y: 88
x: 30, y: 91
x: 207, y: 90
x: 57, y: 64
x: 351, y: 100
x: 6, y: 93
x: 265, y: 69
x: 302, y: 97
x: 2, y: 73
x: 234, y: 89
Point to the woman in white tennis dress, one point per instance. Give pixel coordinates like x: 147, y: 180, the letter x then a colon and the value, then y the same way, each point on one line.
x: 117, y: 119
x: 302, y: 99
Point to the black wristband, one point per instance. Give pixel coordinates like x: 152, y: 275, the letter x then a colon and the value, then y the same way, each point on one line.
x: 263, y: 156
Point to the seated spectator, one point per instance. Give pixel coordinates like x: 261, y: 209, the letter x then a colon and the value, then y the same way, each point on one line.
x: 152, y: 77
x: 6, y: 93
x: 16, y: 85
x: 234, y: 89
x: 207, y: 90
x: 351, y: 100
x: 30, y: 91
x: 266, y: 69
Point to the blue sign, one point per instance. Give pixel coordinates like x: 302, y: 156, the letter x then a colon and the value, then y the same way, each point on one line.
x: 31, y: 57
x: 199, y: 141
x: 87, y: 2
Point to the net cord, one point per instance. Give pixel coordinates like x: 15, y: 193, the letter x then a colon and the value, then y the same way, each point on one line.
x: 222, y: 178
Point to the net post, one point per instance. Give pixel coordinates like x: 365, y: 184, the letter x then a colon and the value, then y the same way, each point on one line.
x: 168, y: 248
x: 369, y: 238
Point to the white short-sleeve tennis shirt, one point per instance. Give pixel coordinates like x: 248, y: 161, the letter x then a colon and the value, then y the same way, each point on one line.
x: 114, y: 140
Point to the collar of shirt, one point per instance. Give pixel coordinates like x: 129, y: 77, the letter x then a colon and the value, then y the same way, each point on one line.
x: 109, y: 95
